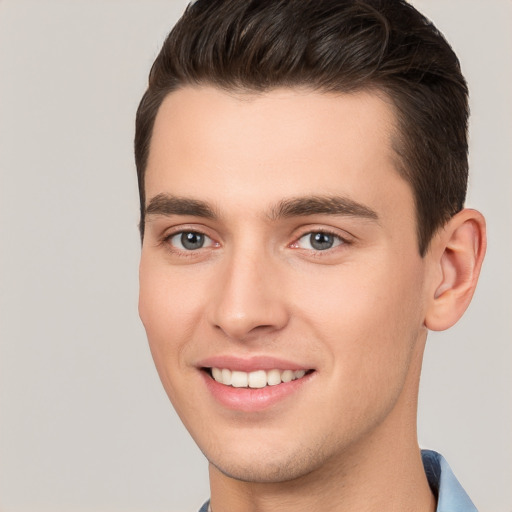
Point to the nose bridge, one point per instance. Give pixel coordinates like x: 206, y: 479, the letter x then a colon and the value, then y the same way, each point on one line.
x: 248, y: 296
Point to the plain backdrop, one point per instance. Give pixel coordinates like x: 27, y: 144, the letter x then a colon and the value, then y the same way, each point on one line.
x: 84, y: 422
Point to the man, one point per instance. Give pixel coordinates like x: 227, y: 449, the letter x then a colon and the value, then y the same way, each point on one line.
x: 302, y: 172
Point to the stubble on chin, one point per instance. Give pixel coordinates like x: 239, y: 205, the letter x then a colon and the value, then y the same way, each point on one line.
x: 274, y: 467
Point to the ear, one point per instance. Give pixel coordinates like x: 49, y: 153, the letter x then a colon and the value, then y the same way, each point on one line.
x: 457, y: 250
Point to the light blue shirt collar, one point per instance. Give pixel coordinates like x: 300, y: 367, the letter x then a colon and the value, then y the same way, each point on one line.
x: 451, y: 497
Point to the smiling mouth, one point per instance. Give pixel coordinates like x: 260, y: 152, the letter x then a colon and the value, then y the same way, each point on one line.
x: 256, y: 379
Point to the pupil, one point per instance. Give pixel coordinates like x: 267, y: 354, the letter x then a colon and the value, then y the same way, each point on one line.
x: 192, y: 240
x: 321, y: 241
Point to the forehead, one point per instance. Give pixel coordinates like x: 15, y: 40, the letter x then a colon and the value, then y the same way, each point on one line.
x: 251, y: 147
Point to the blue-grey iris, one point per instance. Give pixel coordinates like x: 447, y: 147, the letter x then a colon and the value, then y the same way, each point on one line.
x: 191, y: 240
x: 321, y: 241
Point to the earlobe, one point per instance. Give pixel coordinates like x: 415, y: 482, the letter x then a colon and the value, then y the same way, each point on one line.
x: 458, y: 251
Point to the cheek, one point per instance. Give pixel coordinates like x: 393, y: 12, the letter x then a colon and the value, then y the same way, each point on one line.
x: 369, y: 324
x: 168, y: 308
x: 369, y: 316
x: 169, y: 297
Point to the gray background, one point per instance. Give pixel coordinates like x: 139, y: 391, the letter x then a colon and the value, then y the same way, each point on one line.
x: 84, y: 423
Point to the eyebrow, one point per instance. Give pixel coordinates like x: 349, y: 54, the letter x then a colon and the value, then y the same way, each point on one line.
x: 321, y: 205
x: 166, y: 204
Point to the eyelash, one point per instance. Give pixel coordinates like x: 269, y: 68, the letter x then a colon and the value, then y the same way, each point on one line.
x: 321, y: 231
x: 190, y: 253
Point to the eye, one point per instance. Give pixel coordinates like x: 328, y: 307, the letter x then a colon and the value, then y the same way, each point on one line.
x: 319, y: 241
x: 190, y: 240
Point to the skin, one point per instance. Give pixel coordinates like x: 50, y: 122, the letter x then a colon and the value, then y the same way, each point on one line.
x: 356, y: 313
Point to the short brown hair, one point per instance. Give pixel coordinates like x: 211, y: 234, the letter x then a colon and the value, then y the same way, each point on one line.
x: 330, y: 46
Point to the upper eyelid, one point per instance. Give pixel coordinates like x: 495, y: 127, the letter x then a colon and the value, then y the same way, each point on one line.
x: 193, y: 228
x: 164, y: 241
x: 172, y: 234
x: 337, y: 232
x: 325, y: 231
x: 343, y: 242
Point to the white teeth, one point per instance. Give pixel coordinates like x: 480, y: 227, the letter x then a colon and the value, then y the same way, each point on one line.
x: 273, y: 377
x: 256, y: 379
x: 287, y: 376
x: 217, y: 374
x: 299, y: 374
x: 226, y: 377
x: 239, y: 379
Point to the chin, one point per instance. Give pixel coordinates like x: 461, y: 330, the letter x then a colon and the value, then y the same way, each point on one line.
x: 267, y: 466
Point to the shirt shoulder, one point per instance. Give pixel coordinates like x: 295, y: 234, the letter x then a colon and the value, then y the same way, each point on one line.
x: 204, y: 508
x: 451, y: 497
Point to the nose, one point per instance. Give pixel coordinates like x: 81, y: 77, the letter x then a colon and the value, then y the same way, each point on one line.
x: 249, y: 300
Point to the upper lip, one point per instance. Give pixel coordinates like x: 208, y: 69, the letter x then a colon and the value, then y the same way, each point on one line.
x: 250, y: 364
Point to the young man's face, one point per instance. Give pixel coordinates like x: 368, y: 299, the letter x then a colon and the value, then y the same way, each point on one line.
x: 280, y: 243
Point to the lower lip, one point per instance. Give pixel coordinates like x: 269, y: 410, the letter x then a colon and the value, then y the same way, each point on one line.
x: 252, y: 399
